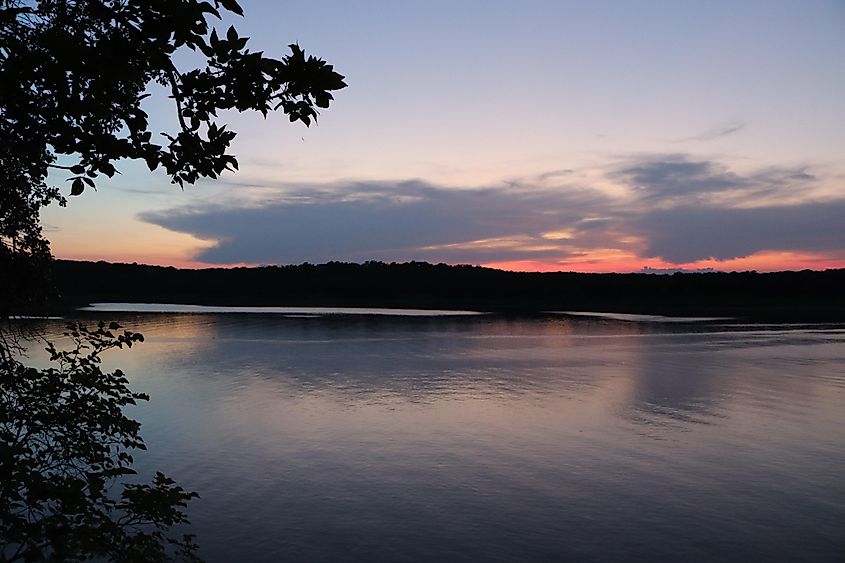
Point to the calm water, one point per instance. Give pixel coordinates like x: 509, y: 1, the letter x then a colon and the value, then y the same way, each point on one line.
x: 482, y: 438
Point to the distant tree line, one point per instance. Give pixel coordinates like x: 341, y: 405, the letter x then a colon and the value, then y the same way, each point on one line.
x: 803, y: 295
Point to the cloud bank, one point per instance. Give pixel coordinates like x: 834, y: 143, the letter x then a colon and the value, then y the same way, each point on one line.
x: 671, y: 207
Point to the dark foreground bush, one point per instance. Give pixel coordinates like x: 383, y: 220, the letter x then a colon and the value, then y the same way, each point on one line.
x: 65, y: 461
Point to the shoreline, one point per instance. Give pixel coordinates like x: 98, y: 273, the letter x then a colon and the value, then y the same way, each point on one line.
x: 809, y: 296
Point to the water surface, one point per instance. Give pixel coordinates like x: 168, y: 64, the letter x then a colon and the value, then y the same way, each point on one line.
x: 297, y: 311
x: 487, y: 438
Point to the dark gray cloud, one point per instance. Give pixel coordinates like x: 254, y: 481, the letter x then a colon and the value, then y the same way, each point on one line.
x: 677, y: 179
x: 676, y: 175
x: 682, y: 209
x: 690, y: 233
x: 362, y: 221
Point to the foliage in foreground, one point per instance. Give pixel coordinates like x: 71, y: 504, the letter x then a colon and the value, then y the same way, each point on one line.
x: 74, y: 75
x: 65, y: 449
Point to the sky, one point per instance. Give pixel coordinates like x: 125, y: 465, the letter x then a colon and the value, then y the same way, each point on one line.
x: 526, y: 135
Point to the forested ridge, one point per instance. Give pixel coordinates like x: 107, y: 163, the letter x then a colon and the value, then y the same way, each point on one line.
x: 802, y: 295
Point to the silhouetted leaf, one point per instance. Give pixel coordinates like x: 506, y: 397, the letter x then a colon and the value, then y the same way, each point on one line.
x: 77, y: 187
x: 232, y: 6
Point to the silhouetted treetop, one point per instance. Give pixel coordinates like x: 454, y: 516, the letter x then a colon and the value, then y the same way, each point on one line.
x: 73, y: 76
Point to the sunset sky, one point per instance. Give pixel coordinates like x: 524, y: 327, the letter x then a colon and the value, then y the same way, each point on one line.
x: 531, y: 135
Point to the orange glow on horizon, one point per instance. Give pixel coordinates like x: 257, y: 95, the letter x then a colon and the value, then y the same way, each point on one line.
x: 761, y: 262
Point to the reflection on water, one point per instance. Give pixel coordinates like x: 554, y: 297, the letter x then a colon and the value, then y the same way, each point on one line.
x: 489, y: 438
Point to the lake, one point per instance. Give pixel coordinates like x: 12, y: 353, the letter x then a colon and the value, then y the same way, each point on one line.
x: 315, y: 437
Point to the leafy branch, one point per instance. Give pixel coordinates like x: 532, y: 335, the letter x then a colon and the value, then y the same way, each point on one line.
x: 65, y: 443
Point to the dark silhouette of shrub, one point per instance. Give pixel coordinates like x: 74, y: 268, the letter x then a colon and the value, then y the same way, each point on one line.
x: 65, y: 443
